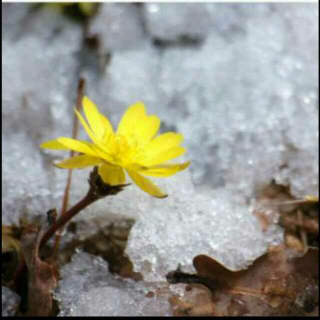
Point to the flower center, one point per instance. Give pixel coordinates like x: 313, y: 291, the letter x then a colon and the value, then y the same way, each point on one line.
x: 126, y: 149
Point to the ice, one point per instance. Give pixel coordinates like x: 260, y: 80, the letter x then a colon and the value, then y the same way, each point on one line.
x: 244, y: 118
x: 130, y: 77
x: 175, y: 20
x: 188, y: 224
x: 87, y: 288
x: 40, y: 67
x: 242, y: 105
x: 119, y: 27
x: 248, y: 102
x: 106, y: 301
x: 10, y: 302
x: 302, y: 172
x: 25, y: 180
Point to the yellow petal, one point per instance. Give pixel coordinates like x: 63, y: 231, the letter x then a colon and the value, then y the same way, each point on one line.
x: 148, y: 129
x: 108, y: 128
x: 86, y: 127
x: 163, y: 156
x: 163, y: 142
x: 53, y: 144
x: 146, y: 185
x: 98, y: 146
x: 132, y: 118
x: 165, y: 170
x: 82, y: 161
x: 112, y: 175
x: 76, y: 145
x: 94, y: 117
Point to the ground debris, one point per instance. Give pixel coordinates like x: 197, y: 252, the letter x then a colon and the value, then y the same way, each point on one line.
x: 10, y: 251
x: 196, y: 301
x: 107, y: 241
x: 298, y: 217
x: 278, y: 283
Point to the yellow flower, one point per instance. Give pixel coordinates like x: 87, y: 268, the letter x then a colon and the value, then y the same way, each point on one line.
x: 87, y: 8
x: 133, y: 148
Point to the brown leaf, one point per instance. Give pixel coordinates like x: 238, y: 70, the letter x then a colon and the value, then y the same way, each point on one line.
x: 308, y: 263
x: 42, y: 277
x: 275, y: 284
x: 9, y: 241
x: 11, y: 251
x: 286, y: 285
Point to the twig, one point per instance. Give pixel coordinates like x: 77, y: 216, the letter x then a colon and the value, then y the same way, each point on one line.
x: 308, y: 225
x: 295, y: 202
x: 65, y: 199
x: 302, y: 231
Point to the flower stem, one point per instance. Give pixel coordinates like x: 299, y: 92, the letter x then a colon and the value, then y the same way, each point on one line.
x: 98, y: 190
x: 65, y: 218
x: 65, y: 199
x: 59, y: 223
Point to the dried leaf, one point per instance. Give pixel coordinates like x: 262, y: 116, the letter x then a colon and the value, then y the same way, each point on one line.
x: 275, y: 284
x: 42, y: 277
x: 9, y: 241
x: 286, y: 285
x: 11, y: 251
x: 311, y: 198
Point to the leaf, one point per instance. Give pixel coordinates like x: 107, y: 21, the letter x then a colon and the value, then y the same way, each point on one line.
x: 9, y: 241
x: 275, y: 284
x: 312, y: 198
x: 42, y: 277
x: 283, y: 283
x: 11, y: 251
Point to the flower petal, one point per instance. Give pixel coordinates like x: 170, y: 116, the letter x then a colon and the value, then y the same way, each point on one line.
x: 165, y: 170
x: 146, y: 185
x: 111, y: 174
x: 77, y: 145
x: 98, y: 146
x: 94, y: 117
x: 108, y: 128
x: 163, y: 142
x: 100, y: 152
x: 86, y: 127
x: 148, y: 129
x: 54, y: 145
x: 82, y: 161
x: 132, y: 118
x: 163, y: 156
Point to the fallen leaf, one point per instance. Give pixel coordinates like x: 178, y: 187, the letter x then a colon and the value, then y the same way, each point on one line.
x: 275, y: 284
x: 11, y: 251
x: 42, y: 277
x: 9, y: 240
x: 312, y: 198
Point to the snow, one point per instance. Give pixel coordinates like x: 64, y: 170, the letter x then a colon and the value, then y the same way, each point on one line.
x: 10, y: 302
